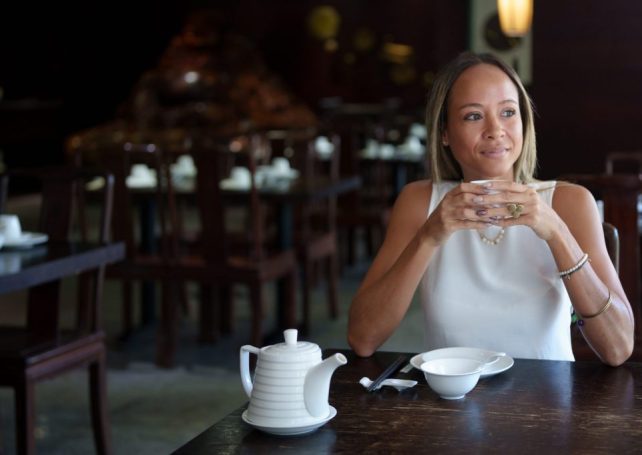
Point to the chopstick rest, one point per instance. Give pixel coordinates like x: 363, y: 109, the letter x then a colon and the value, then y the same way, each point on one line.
x: 392, y: 369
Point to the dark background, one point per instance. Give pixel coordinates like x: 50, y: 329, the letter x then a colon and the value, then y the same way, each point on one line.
x: 65, y: 68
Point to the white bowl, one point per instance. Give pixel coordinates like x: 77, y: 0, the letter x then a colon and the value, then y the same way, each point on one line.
x: 452, y: 378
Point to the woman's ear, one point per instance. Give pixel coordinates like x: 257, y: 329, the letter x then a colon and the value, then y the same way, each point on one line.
x: 444, y: 138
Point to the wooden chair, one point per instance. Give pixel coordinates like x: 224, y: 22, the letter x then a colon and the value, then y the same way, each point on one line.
x: 367, y: 209
x: 44, y: 348
x: 316, y: 236
x: 144, y: 221
x: 217, y: 263
x: 624, y: 162
x: 581, y: 349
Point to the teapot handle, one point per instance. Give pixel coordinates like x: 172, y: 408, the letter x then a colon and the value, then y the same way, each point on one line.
x: 245, y: 367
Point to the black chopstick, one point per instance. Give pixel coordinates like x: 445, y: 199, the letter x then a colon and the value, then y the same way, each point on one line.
x: 392, y: 369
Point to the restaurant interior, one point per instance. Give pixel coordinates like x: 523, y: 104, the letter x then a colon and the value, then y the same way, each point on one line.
x: 301, y: 92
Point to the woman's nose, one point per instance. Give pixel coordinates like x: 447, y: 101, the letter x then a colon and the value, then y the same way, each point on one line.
x: 494, y: 128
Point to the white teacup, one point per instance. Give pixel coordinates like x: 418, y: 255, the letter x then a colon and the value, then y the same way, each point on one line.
x: 323, y: 146
x: 141, y: 171
x: 241, y: 176
x: 10, y: 228
x: 185, y: 165
x: 484, y: 182
x: 281, y: 165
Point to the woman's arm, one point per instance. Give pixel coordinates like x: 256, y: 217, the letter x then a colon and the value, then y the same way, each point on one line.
x: 411, y: 240
x: 611, y: 334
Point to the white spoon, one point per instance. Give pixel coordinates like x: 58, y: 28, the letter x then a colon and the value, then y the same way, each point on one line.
x: 399, y: 384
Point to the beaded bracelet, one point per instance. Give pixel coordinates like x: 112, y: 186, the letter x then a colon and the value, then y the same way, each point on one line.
x: 606, y: 306
x: 568, y: 272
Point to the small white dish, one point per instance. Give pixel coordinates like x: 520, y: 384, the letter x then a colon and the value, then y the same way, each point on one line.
x: 233, y: 184
x: 26, y: 240
x: 284, y: 173
x: 482, y: 355
x: 452, y: 378
x: 399, y: 384
x: 140, y: 182
x: 291, y: 431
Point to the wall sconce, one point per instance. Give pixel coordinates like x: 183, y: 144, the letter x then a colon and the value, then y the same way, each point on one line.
x: 515, y: 16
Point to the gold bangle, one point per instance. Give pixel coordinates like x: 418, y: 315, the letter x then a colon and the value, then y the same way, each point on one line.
x: 568, y: 272
x: 606, y: 306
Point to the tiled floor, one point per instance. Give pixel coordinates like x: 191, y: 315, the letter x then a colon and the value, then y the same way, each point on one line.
x: 154, y: 411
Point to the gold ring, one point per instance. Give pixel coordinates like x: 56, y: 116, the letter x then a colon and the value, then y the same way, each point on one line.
x: 515, y: 209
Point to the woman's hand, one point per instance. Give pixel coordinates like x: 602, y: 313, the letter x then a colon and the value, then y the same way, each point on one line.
x: 467, y: 206
x: 516, y: 204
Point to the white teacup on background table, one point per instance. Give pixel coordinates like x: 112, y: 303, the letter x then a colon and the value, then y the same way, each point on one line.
x: 141, y: 175
x: 14, y: 237
x: 10, y: 228
x: 239, y: 179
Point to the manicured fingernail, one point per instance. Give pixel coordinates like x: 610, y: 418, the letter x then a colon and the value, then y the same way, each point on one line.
x: 478, y: 199
x: 481, y: 212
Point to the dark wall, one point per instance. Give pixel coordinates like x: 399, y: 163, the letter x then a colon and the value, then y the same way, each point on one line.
x: 587, y: 82
x: 587, y: 64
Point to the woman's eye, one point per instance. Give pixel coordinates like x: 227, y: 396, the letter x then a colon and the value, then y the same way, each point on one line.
x: 473, y: 116
x: 509, y: 113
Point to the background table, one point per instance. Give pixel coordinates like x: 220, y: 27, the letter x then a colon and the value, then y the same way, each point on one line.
x: 535, y: 407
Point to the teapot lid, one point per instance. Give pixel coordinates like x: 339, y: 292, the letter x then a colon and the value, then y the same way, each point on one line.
x: 292, y: 350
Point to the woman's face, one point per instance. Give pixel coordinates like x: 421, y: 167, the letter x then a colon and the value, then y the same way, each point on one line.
x: 484, y: 123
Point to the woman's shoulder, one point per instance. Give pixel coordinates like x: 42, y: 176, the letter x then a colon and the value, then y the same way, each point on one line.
x: 571, y: 199
x: 567, y: 193
x: 417, y: 193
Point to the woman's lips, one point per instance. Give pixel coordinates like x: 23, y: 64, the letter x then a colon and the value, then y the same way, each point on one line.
x: 495, y: 152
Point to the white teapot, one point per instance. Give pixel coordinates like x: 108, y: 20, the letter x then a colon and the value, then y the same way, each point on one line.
x: 291, y: 384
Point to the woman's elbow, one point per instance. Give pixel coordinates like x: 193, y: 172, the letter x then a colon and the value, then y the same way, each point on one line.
x: 360, y: 347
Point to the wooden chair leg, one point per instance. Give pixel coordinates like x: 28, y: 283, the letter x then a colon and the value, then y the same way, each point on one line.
x: 256, y: 303
x: 25, y: 418
x: 306, y: 290
x: 333, y: 285
x: 226, y: 308
x: 127, y: 309
x: 167, y: 335
x: 351, y: 246
x: 291, y: 283
x: 208, y: 332
x: 99, y: 406
x: 184, y: 297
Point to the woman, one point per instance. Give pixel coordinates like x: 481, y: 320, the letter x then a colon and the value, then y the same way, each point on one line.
x: 499, y: 265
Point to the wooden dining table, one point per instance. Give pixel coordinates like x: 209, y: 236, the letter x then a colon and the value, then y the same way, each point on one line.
x: 43, y: 264
x: 536, y: 406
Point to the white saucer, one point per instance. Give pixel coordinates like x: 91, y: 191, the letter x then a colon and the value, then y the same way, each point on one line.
x: 231, y: 184
x: 278, y: 174
x: 501, y: 365
x: 290, y: 431
x: 26, y: 240
x: 144, y: 182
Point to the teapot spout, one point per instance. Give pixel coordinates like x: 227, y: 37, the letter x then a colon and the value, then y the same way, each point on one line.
x: 317, y: 385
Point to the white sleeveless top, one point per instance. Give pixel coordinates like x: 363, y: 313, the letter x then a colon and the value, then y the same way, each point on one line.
x: 505, y: 297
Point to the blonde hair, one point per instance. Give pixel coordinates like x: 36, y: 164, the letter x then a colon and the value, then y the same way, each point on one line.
x: 443, y: 165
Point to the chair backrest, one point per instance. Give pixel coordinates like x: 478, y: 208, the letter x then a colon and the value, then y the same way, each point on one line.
x: 62, y: 190
x: 63, y: 217
x: 624, y: 162
x: 131, y: 199
x: 213, y: 161
x: 301, y: 147
x: 612, y: 239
